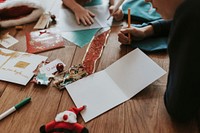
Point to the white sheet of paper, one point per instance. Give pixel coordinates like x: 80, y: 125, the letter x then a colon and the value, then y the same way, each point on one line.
x: 67, y: 21
x: 18, y: 67
x: 9, y: 41
x: 116, y: 84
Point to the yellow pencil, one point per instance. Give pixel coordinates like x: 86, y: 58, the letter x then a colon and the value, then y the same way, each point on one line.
x: 129, y: 24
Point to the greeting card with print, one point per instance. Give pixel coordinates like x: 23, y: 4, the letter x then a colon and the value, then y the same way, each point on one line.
x: 17, y: 67
x: 43, y: 40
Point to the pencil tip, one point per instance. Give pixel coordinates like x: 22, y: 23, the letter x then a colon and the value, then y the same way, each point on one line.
x: 108, y: 18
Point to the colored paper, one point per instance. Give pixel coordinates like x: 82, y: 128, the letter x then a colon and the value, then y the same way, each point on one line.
x: 43, y: 40
x: 80, y: 37
x: 94, y: 51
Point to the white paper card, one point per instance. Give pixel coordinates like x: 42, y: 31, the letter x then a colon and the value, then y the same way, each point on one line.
x: 43, y: 21
x: 51, y: 67
x: 17, y: 67
x: 8, y: 41
x: 119, y: 82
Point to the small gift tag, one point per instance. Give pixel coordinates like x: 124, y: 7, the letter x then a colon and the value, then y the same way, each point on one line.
x: 51, y: 67
x: 7, y: 40
x: 43, y: 21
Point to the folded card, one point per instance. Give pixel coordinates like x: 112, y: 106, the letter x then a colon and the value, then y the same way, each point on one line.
x: 116, y: 84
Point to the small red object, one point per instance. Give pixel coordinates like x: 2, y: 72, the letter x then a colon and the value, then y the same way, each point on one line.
x: 60, y: 67
x: 40, y: 41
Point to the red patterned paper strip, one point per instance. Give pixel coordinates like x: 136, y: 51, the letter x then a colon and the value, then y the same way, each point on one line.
x: 94, y: 51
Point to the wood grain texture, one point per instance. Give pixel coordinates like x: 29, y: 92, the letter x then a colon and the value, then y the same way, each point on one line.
x: 144, y: 113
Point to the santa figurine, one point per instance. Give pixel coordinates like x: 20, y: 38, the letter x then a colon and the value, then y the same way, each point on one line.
x: 65, y: 122
x: 18, y: 12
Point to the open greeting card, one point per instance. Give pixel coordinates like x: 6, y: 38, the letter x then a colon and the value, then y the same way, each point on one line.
x: 18, y: 67
x: 116, y: 84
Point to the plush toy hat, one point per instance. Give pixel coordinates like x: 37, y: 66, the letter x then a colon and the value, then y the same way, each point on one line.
x: 17, y: 12
x: 66, y: 116
x: 65, y: 122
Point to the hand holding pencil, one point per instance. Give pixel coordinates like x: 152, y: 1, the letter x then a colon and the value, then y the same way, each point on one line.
x: 114, y: 10
x: 127, y: 34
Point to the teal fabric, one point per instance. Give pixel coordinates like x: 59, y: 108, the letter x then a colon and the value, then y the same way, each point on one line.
x: 140, y: 10
x: 81, y: 37
x: 94, y: 3
x: 150, y: 44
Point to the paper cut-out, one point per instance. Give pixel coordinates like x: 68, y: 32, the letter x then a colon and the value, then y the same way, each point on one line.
x: 74, y: 73
x: 94, y: 51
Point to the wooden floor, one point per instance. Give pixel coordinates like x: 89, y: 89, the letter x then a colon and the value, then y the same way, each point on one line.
x: 144, y: 113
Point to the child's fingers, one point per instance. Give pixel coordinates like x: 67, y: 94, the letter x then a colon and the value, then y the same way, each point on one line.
x: 83, y: 21
x: 78, y: 20
x: 91, y: 20
x: 126, y: 30
x: 111, y: 9
x: 88, y: 20
x: 91, y: 14
x: 123, y: 38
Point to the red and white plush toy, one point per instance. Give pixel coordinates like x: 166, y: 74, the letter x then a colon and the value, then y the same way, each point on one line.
x: 65, y: 122
x: 18, y: 12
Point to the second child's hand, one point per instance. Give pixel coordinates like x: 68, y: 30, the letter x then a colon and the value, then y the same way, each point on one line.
x: 136, y: 34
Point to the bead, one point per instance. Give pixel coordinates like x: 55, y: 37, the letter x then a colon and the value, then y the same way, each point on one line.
x: 60, y: 67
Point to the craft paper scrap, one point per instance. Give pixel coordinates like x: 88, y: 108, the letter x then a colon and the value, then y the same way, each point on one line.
x: 50, y: 68
x: 67, y: 21
x: 94, y: 50
x: 7, y: 41
x: 80, y: 37
x: 43, y: 21
x: 17, y: 67
x: 116, y: 84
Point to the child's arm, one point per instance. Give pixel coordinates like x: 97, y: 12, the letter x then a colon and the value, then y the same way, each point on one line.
x: 111, y: 2
x: 82, y: 15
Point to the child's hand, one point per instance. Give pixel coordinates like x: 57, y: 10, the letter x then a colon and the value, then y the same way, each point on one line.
x: 84, y: 16
x: 117, y: 15
x: 136, y: 34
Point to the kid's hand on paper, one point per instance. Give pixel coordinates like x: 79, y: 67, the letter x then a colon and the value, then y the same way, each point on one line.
x: 136, y: 34
x: 84, y: 16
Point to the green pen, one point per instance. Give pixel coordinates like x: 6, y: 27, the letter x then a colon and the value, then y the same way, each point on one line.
x: 14, y: 108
